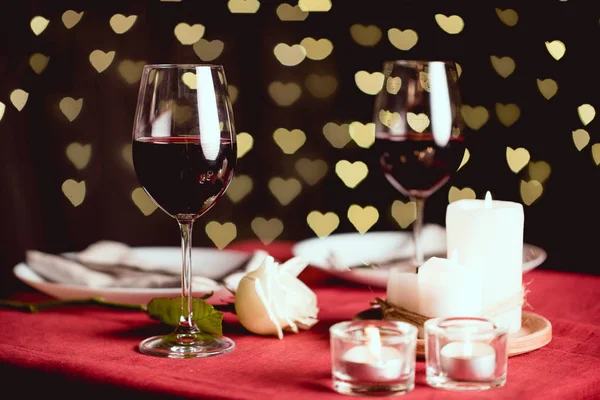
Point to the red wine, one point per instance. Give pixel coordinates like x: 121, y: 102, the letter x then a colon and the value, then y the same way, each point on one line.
x: 176, y: 173
x: 417, y: 166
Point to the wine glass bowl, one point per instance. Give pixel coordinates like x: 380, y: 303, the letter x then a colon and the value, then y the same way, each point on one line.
x: 419, y: 138
x: 184, y: 154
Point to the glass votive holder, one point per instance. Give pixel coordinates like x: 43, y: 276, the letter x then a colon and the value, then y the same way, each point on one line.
x: 373, y: 357
x: 464, y: 353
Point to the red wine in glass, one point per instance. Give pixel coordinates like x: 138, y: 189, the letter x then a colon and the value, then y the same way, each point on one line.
x: 419, y: 136
x: 184, y: 154
x: 177, y: 175
x: 417, y: 167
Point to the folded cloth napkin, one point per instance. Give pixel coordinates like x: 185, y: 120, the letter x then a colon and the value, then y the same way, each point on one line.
x: 106, y: 264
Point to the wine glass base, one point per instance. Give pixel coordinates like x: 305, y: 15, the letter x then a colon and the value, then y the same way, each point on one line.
x: 201, y: 345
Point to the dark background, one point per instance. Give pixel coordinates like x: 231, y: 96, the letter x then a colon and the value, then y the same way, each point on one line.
x: 36, y: 214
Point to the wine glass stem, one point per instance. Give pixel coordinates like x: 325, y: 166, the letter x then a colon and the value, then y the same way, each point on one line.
x: 186, y: 320
x: 417, y: 225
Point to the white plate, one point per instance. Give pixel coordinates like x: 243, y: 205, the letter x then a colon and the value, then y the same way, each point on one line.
x: 208, y: 262
x: 353, y: 249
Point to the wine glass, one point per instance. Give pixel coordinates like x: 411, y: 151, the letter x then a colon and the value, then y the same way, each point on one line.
x: 184, y: 154
x: 419, y: 133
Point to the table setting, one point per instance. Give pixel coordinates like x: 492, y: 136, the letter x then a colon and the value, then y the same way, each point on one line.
x: 456, y: 306
x: 463, y: 300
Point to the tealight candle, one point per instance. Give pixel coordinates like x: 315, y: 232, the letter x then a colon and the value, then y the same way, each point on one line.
x: 468, y: 361
x: 373, y: 357
x: 463, y: 353
x: 373, y: 362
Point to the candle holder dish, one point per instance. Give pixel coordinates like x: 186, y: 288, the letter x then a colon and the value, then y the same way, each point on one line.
x: 373, y: 357
x: 535, y: 332
x: 465, y: 353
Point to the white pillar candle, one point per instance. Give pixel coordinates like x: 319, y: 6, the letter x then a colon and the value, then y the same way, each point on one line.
x: 448, y: 289
x: 488, y: 235
x: 468, y: 361
x: 403, y: 288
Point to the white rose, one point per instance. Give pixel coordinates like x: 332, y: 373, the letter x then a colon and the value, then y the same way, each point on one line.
x: 272, y: 299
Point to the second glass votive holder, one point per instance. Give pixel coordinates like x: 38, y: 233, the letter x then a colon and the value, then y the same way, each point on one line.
x: 464, y: 353
x: 373, y: 357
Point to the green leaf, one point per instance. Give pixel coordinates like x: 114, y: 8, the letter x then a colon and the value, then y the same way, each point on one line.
x: 168, y: 311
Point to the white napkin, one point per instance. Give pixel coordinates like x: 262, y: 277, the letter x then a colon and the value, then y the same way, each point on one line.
x: 106, y: 264
x: 385, y: 252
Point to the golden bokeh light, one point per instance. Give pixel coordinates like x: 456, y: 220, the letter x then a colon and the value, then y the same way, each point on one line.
x: 369, y: 83
x: 586, y: 113
x: 287, y: 12
x: 221, y: 234
x: 517, y: 159
x: 556, y: 48
x: 239, y: 188
x: 312, y: 171
x: 530, y: 191
x: 38, y: 62
x: 351, y: 173
x: 18, y: 98
x: 142, y: 201
x: 285, y: 190
x: 79, y: 154
x: 289, y: 141
x: 365, y: 35
x: 314, y: 5
x: 38, y: 24
x: 539, y: 171
x: 404, y: 213
x: 245, y: 142
x: 507, y: 114
x: 508, y: 16
x: 284, y: 94
x: 189, y: 34
x: 121, y: 23
x: 267, y: 230
x: 581, y: 138
x: 322, y: 225
x: 101, y: 60
x: 71, y: 18
x: 208, y: 50
x: 465, y: 159
x: 74, y: 191
x: 243, y: 6
x: 547, y: 87
x: 403, y: 39
x: 362, y: 218
x: 455, y: 194
x: 337, y: 135
x: 452, y: 24
x: 289, y: 55
x: 317, y: 49
x: 474, y: 117
x: 504, y: 66
x: 362, y: 134
x: 70, y: 107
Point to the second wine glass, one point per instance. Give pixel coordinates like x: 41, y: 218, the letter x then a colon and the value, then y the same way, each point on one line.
x: 184, y: 154
x: 419, y: 135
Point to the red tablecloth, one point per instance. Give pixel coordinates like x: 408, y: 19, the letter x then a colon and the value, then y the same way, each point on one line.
x: 91, y: 351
